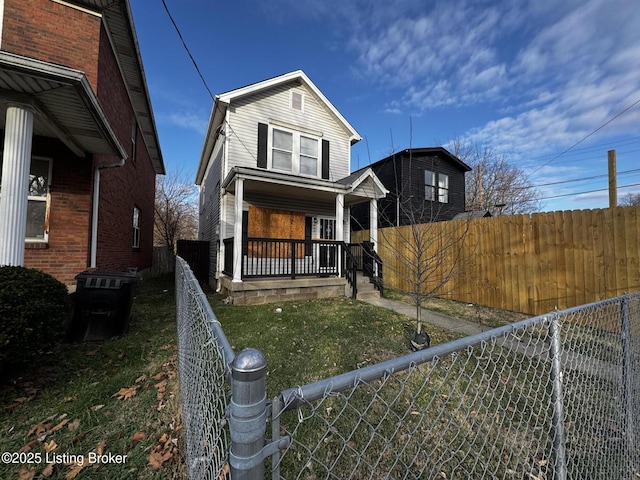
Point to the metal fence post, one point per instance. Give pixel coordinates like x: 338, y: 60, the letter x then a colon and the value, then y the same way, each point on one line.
x: 627, y: 375
x: 248, y: 415
x: 559, y: 453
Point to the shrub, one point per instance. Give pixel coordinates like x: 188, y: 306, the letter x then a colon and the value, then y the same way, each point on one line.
x: 33, y: 311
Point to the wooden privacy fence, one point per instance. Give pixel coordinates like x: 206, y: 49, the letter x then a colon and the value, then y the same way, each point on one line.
x: 525, y: 263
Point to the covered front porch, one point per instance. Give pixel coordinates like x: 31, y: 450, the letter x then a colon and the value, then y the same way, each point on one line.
x: 295, y: 229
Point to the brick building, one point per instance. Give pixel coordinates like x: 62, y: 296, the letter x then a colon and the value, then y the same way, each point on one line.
x: 80, y: 150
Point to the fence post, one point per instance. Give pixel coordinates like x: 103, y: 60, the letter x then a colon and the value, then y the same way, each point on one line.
x: 559, y: 453
x: 627, y: 375
x: 248, y: 415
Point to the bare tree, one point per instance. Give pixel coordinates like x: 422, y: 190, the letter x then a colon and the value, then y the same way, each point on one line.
x: 426, y: 253
x: 631, y: 200
x: 494, y: 184
x: 176, y: 210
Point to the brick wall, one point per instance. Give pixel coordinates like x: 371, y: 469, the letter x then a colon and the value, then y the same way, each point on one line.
x: 59, y: 34
x: 125, y: 187
x: 67, y: 252
x: 54, y: 33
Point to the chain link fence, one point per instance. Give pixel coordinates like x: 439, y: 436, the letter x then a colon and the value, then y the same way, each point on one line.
x: 204, y: 355
x: 551, y: 397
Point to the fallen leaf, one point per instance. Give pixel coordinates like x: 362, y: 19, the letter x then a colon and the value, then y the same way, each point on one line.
x: 156, y: 459
x: 95, y: 408
x: 39, y: 428
x: 74, y: 425
x: 60, y: 425
x: 162, y: 388
x: 76, y: 468
x: 50, y: 446
x: 224, y: 472
x: 28, y: 446
x: 141, y: 378
x: 136, y: 438
x: 122, y: 355
x: 100, y: 447
x: 26, y: 474
x: 48, y: 470
x: 158, y: 376
x: 126, y: 392
x: 70, y: 399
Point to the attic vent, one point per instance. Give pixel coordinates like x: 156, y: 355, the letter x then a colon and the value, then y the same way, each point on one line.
x: 296, y: 101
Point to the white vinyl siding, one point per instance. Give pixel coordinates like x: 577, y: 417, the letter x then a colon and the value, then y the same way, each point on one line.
x: 275, y: 105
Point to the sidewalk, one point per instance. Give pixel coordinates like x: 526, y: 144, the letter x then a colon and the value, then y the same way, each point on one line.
x: 428, y: 316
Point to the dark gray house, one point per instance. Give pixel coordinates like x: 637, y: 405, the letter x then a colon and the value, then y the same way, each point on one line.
x: 425, y: 185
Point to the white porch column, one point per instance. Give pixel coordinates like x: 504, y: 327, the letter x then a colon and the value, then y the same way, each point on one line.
x: 340, y: 217
x: 340, y: 227
x: 16, y: 162
x: 237, y: 232
x: 373, y: 223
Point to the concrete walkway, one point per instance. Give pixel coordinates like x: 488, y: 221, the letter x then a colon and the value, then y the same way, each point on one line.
x: 428, y: 316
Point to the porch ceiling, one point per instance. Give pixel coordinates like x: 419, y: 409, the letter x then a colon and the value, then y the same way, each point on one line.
x: 66, y: 106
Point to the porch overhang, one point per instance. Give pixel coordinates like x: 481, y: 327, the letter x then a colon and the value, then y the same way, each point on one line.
x: 260, y: 182
x: 65, y: 104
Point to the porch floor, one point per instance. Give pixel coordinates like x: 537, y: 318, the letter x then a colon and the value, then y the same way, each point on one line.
x: 256, y: 291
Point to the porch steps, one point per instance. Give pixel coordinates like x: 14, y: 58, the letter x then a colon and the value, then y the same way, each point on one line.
x: 365, y: 288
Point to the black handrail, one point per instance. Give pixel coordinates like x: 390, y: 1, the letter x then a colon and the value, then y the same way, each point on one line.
x: 350, y: 269
x: 372, y: 266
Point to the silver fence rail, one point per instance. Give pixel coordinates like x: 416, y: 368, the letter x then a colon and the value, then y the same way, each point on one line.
x: 551, y: 397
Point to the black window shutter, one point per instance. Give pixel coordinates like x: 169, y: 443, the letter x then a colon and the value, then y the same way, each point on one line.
x: 263, y: 132
x: 325, y: 159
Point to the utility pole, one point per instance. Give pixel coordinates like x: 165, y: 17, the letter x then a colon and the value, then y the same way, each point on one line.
x: 613, y: 181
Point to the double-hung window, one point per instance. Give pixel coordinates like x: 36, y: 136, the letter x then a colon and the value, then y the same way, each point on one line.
x: 37, y: 199
x: 436, y: 187
x: 295, y: 152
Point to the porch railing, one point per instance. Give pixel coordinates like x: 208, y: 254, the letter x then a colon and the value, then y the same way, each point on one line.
x: 273, y: 257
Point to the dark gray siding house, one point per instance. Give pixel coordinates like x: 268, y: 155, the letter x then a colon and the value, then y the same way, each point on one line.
x: 425, y: 185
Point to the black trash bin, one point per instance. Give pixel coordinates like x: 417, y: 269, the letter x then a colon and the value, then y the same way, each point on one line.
x: 102, y: 305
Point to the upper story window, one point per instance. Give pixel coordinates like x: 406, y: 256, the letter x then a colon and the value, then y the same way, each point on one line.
x: 37, y: 199
x: 294, y: 152
x: 436, y: 186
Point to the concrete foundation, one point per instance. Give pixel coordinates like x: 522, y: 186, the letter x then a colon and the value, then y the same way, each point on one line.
x: 259, y: 291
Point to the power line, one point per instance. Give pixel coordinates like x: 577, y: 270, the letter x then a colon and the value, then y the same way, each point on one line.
x: 589, y: 135
x: 588, y: 191
x: 184, y: 44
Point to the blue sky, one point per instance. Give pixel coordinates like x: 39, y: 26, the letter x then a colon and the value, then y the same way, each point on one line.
x: 530, y: 79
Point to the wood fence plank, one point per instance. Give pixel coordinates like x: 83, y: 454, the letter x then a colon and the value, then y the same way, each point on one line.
x: 620, y: 249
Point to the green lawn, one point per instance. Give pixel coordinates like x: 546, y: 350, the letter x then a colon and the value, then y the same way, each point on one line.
x: 120, y: 397
x: 312, y: 340
x: 112, y: 398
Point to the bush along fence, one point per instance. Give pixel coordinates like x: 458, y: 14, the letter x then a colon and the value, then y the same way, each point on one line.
x: 554, y: 396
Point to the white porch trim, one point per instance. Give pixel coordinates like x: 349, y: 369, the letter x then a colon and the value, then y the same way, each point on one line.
x: 18, y: 139
x: 237, y: 231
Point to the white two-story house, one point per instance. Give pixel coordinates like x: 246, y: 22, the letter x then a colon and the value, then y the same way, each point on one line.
x: 276, y: 192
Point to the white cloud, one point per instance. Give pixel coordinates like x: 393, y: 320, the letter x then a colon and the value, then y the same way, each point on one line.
x: 187, y: 120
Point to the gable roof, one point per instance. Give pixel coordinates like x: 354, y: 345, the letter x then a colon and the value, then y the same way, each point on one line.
x: 440, y: 151
x: 223, y: 100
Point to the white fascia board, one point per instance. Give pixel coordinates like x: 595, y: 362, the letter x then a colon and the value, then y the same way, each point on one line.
x: 228, y: 97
